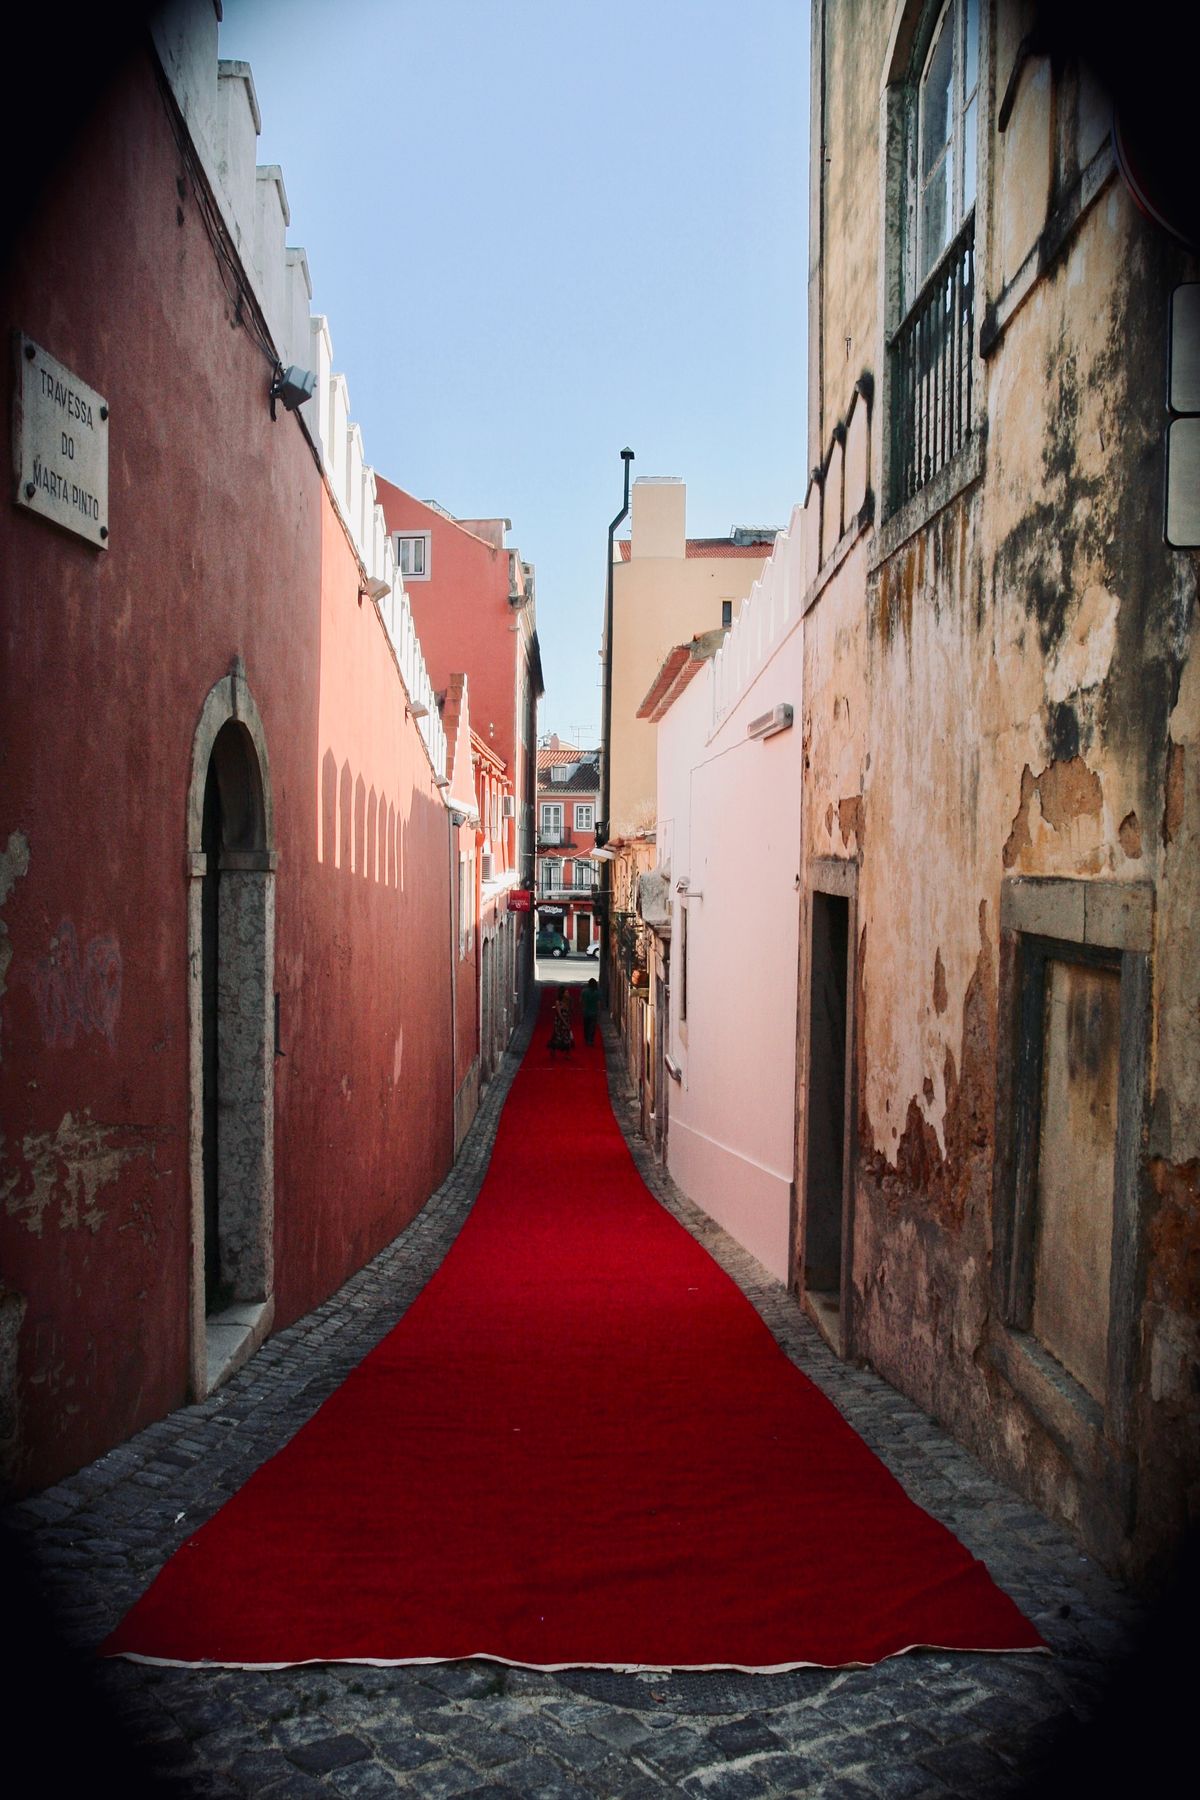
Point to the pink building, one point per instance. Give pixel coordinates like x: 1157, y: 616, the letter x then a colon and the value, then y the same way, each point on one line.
x: 472, y: 601
x: 567, y: 879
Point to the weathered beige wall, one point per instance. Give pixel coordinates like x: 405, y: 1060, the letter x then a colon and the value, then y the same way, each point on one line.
x: 1012, y: 691
x: 853, y: 54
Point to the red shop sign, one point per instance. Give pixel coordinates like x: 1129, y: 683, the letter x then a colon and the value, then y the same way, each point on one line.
x: 520, y: 899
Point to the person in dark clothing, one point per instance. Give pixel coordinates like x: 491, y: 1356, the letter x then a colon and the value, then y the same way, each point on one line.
x: 591, y: 1010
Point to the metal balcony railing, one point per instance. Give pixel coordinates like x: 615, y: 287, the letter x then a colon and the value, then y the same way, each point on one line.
x: 933, y: 358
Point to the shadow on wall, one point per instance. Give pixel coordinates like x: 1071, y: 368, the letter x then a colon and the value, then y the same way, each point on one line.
x: 360, y: 830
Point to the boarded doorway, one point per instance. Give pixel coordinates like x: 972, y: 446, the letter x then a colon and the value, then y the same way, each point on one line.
x: 825, y: 1115
x: 486, y: 1026
x: 231, y: 929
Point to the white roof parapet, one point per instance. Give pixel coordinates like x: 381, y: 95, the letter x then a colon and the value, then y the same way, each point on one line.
x: 272, y: 217
x: 315, y: 412
x: 236, y: 129
x: 763, y: 620
x: 414, y: 674
x: 298, y: 345
x: 185, y: 39
x: 351, y: 494
x: 337, y: 448
x: 219, y: 105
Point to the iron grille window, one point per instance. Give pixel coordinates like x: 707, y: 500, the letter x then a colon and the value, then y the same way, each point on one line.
x: 932, y: 367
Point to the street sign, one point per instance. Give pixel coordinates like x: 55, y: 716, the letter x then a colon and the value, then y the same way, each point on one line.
x: 60, y: 438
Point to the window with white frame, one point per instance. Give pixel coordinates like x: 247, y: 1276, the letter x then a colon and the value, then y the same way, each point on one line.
x: 585, y: 874
x: 413, y: 554
x: 552, y: 822
x: 584, y: 815
x: 946, y: 134
x: 550, y: 871
x: 935, y: 115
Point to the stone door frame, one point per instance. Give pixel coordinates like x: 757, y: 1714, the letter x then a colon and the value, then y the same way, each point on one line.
x: 219, y: 1344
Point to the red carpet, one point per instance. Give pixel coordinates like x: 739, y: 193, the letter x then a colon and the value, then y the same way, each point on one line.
x: 580, y: 1446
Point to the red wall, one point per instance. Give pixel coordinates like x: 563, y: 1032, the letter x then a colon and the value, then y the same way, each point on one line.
x: 224, y: 543
x: 462, y: 611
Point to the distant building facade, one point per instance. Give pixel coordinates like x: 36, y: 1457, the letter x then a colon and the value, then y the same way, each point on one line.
x: 567, y: 871
x: 667, y: 587
x: 474, y: 609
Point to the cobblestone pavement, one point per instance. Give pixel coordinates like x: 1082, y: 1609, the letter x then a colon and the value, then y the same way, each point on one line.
x: 926, y: 1724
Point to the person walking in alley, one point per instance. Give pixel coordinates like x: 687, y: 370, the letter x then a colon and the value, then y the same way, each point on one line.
x: 561, y: 1035
x: 591, y: 1010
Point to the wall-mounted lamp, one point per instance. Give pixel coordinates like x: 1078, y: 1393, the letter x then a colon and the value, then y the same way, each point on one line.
x: 417, y: 711
x: 292, y: 387
x: 767, y: 724
x: 441, y: 781
x: 686, y: 891
x: 376, y: 588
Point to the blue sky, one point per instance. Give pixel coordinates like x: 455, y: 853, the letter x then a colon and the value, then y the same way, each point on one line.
x: 542, y: 230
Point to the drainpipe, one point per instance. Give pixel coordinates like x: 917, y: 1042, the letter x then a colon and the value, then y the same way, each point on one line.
x: 606, y: 741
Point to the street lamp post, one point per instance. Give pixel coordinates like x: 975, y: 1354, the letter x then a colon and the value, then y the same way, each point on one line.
x: 606, y: 744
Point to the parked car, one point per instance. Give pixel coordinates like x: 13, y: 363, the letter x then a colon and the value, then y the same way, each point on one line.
x: 593, y: 948
x: 551, y: 943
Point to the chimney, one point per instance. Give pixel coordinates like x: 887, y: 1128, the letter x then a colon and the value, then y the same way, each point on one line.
x: 659, y: 504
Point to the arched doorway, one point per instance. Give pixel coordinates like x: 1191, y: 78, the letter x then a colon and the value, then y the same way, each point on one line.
x: 485, y: 1004
x: 231, y: 943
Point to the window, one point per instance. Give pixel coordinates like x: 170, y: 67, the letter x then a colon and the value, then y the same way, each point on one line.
x: 413, y: 554
x: 583, y: 817
x: 1067, y: 1215
x: 947, y: 128
x: 552, y: 822
x: 727, y: 612
x: 466, y: 904
x: 932, y: 351
x: 585, y: 874
x: 550, y: 870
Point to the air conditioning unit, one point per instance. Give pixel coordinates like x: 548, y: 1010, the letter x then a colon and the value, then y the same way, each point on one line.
x: 767, y: 724
x: 508, y: 806
x: 487, y: 865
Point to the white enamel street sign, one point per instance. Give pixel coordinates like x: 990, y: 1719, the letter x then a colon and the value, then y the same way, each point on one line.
x: 60, y: 444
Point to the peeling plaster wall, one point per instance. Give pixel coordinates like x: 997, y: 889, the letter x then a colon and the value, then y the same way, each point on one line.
x: 1011, y: 691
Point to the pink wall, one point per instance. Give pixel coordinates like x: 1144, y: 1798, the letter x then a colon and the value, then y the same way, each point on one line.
x: 729, y: 822
x: 224, y: 543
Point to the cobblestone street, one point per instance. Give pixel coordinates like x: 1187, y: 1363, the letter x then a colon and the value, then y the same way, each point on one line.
x: 923, y: 1724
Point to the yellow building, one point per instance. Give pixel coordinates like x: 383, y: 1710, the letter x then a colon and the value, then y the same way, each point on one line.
x: 667, y: 588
